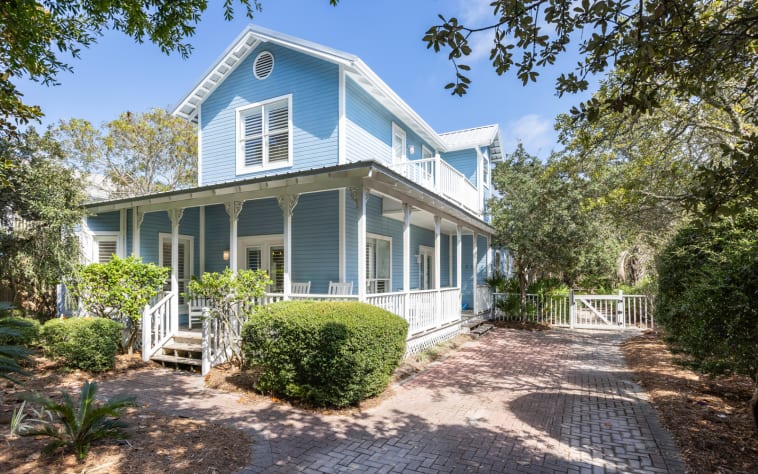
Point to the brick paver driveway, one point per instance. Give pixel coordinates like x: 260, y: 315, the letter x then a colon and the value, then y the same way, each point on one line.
x: 512, y: 401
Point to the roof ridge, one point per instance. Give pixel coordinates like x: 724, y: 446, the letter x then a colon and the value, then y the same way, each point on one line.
x: 470, y: 129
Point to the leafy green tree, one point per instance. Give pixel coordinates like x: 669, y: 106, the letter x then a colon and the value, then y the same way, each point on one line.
x: 136, y: 153
x: 542, y: 218
x: 119, y: 289
x: 39, y: 207
x: 37, y: 34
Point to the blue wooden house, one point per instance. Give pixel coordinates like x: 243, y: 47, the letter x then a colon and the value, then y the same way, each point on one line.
x: 312, y: 168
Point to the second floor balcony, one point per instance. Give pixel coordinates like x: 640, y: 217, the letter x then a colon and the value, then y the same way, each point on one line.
x: 439, y: 176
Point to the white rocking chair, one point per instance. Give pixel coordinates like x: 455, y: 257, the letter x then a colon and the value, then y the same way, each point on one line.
x: 301, y: 288
x: 339, y: 288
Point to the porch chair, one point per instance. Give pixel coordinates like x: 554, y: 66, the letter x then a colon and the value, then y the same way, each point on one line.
x: 340, y: 288
x: 301, y: 288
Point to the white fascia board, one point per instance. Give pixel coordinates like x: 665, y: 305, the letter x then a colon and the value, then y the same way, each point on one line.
x: 405, y: 110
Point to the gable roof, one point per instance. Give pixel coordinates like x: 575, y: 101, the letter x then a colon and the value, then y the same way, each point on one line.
x: 488, y: 135
x: 354, y: 67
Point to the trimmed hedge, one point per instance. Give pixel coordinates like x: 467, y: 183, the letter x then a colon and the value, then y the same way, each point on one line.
x: 83, y: 343
x: 26, y: 331
x: 708, y: 292
x: 332, y: 354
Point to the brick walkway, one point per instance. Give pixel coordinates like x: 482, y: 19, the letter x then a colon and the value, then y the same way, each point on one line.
x: 513, y: 401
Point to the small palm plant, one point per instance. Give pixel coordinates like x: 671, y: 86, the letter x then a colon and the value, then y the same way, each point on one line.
x: 77, y: 428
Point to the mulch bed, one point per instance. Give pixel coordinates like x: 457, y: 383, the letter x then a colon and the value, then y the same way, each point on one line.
x: 708, y: 416
x: 158, y: 443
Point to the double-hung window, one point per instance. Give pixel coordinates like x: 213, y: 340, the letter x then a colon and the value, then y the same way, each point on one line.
x: 264, y: 135
x: 104, y: 248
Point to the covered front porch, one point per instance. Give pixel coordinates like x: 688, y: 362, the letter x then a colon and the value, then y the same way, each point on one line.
x: 356, y: 232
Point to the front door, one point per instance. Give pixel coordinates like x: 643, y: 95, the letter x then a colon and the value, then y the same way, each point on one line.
x: 426, y: 271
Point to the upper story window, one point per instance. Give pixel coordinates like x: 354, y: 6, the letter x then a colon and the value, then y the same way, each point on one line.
x: 264, y: 135
x: 486, y: 171
x: 426, y: 153
x: 398, y: 144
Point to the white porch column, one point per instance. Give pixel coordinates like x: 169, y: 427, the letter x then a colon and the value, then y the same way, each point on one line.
x: 201, y: 242
x: 122, y: 233
x: 360, y: 196
x: 459, y: 257
x: 137, y: 216
x: 175, y: 216
x: 475, y: 260
x: 437, y: 253
x: 287, y: 204
x: 233, y: 209
x: 406, y: 256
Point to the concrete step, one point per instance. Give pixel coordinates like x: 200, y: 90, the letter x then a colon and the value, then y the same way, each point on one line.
x: 470, y: 324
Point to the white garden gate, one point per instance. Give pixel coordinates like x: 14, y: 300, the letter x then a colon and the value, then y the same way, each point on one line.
x: 617, y: 311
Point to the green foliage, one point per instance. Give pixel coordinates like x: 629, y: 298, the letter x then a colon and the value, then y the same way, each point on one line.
x: 82, y: 343
x: 543, y: 219
x: 36, y: 33
x: 230, y: 298
x: 324, y: 353
x: 707, y: 292
x: 26, y: 331
x: 76, y: 427
x: 39, y: 206
x: 136, y: 153
x: 119, y: 289
x: 11, y: 355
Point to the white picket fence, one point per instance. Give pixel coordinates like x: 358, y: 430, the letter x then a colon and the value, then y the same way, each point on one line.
x: 617, y: 311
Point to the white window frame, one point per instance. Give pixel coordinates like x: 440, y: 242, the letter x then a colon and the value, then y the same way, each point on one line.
x: 486, y: 171
x: 426, y: 151
x: 264, y: 242
x: 190, y: 241
x: 105, y: 236
x: 397, y: 130
x: 240, y: 113
x: 386, y: 239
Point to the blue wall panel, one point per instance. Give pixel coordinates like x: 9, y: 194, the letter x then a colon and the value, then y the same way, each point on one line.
x: 107, y: 221
x: 313, y: 84
x: 464, y: 161
x: 260, y: 217
x: 315, y: 240
x: 216, y: 238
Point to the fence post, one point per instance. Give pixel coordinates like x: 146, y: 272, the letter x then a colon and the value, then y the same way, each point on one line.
x: 572, y: 309
x: 205, y: 343
x: 620, y: 313
x: 146, y: 330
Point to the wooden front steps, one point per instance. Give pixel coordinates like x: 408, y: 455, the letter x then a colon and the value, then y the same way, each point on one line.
x: 183, y: 351
x: 477, y: 327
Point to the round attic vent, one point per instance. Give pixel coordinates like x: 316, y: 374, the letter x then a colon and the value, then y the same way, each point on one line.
x: 263, y: 65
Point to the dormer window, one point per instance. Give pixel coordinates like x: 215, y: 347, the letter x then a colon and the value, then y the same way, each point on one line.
x: 264, y: 135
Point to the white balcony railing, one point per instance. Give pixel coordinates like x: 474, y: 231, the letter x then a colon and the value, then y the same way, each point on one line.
x: 439, y: 176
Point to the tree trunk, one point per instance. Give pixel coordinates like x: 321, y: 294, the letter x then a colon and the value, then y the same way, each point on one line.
x: 754, y: 403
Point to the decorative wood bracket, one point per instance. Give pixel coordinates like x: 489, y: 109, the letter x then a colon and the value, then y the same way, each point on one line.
x: 233, y: 209
x: 287, y: 203
x: 357, y: 194
x: 175, y: 216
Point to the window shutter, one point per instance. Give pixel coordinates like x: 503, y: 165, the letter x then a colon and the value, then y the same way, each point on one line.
x: 253, y: 259
x: 105, y: 250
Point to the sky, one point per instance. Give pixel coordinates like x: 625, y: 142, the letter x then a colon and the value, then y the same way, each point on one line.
x: 117, y: 74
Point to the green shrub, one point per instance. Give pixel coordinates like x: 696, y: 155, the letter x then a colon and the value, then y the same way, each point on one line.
x: 83, y: 343
x: 76, y: 426
x: 324, y: 353
x: 707, y: 292
x: 24, y: 332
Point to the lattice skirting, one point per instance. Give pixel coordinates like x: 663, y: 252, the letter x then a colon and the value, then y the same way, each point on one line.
x: 424, y: 341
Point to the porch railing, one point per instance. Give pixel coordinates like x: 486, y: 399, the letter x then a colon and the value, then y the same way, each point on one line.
x: 159, y: 324
x: 483, y: 298
x: 439, y: 176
